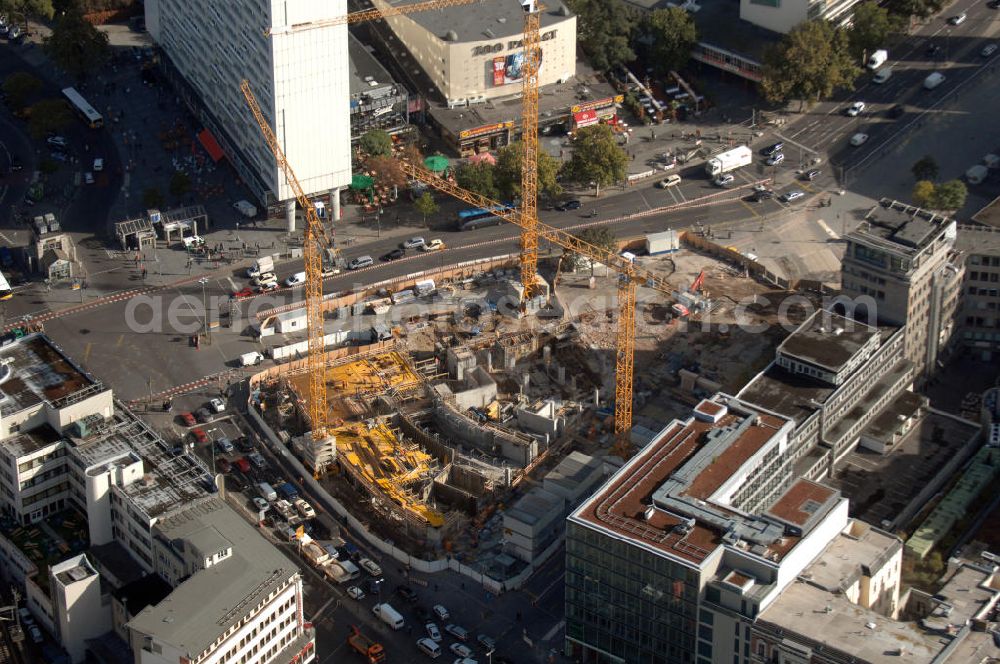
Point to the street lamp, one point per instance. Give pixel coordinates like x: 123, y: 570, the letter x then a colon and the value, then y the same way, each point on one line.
x: 204, y: 304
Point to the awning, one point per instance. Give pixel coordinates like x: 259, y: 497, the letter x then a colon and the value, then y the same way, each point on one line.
x: 585, y: 118
x: 211, y: 145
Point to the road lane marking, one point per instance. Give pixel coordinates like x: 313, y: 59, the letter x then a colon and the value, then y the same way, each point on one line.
x: 829, y: 231
x: 86, y: 351
x: 121, y: 339
x: 555, y: 630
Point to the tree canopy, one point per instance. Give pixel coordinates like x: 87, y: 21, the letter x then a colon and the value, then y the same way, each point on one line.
x: 376, y: 143
x: 950, y: 195
x: 76, y: 46
x: 426, y: 205
x: 599, y: 236
x: 672, y: 33
x: 478, y: 178
x: 507, y: 172
x: 925, y: 169
x: 39, y: 8
x: 597, y: 158
x: 809, y: 64
x: 870, y: 29
x: 19, y: 87
x: 604, y: 30
x: 49, y: 115
x: 923, y: 193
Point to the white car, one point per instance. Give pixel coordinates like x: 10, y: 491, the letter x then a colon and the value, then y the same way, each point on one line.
x: 441, y: 612
x: 433, y: 245
x: 88, y: 177
x: 413, y: 243
x: 460, y: 649
x: 296, y: 279
x: 260, y: 503
x: 355, y: 593
x: 456, y: 631
x: 56, y: 141
x: 859, y: 139
x: 369, y: 566
x: 775, y: 159
x: 856, y: 109
x: 98, y: 165
x: 433, y: 632
x: 792, y: 195
x: 218, y: 405
x: 36, y: 634
x: 724, y: 179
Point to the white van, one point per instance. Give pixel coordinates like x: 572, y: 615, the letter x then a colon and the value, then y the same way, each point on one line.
x: 251, y: 359
x: 429, y: 648
x: 933, y: 80
x: 389, y: 616
x: 882, y: 75
x: 296, y: 279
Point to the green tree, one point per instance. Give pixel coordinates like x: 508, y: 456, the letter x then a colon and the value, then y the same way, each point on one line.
x: 180, y: 184
x: 507, y: 172
x: 19, y: 87
x: 376, y: 143
x: 16, y: 9
x: 604, y: 30
x: 599, y: 236
x: 925, y: 169
x: 480, y: 178
x: 426, y: 206
x: 918, y: 9
x: 49, y: 115
x: 672, y: 34
x: 76, y: 46
x: 923, y: 193
x: 152, y: 198
x: 870, y: 29
x: 597, y: 158
x: 809, y: 64
x: 950, y: 195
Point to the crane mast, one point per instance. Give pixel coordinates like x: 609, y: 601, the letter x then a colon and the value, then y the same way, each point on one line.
x: 529, y: 139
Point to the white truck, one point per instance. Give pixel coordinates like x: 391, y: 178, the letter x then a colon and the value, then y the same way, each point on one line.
x: 246, y: 208
x: 389, y: 616
x: 729, y: 160
x: 262, y: 265
x: 877, y: 59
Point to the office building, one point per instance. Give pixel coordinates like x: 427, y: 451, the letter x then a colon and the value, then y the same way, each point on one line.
x: 781, y: 16
x: 671, y: 560
x: 978, y: 318
x: 237, y: 598
x: 78, y: 609
x: 299, y: 75
x: 901, y: 268
x: 377, y: 102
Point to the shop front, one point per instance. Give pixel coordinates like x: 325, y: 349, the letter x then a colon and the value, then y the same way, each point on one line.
x: 600, y: 111
x: 484, y: 139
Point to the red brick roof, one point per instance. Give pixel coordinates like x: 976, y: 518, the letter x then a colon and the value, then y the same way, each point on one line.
x: 792, y: 505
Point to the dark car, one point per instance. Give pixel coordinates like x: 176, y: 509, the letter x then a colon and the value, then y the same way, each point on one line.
x: 223, y: 464
x: 933, y: 49
x: 896, y: 111
x: 764, y: 195
x: 202, y: 415
x: 772, y: 149
x: 393, y: 255
x: 812, y: 175
x: 569, y: 205
x: 406, y: 593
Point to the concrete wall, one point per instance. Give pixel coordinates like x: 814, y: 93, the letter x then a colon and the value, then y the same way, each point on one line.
x: 485, y: 437
x: 542, y: 421
x: 482, y: 390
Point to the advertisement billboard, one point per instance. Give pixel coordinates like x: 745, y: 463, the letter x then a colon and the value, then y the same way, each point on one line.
x: 509, y: 68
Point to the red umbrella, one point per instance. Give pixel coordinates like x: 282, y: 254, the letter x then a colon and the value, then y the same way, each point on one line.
x: 482, y: 158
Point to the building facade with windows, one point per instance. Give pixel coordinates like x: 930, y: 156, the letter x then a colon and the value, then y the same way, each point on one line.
x: 978, y: 317
x: 783, y: 15
x: 299, y: 75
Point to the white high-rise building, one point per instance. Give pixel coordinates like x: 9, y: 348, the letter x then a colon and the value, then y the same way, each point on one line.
x: 300, y: 77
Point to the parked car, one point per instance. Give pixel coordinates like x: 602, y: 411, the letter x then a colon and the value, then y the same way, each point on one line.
x: 56, y: 141
x: 242, y: 293
x: 406, y: 593
x: 225, y: 446
x: 433, y: 632
x: 958, y: 19
x: 203, y: 415
x: 36, y: 634
x: 370, y: 566
x: 775, y: 159
x: 88, y: 178
x: 413, y: 243
x: 360, y: 262
x: 569, y: 205
x: 933, y: 49
x: 772, y: 149
x: 725, y: 179
x: 856, y: 109
x: 441, y: 612
x: 260, y: 503
x: 222, y: 463
x: 460, y: 649
x: 792, y: 195
x: 433, y: 245
x: 988, y: 50
x: 859, y: 139
x: 763, y: 195
x: 669, y: 181
x: 188, y: 419
x: 456, y: 631
x: 199, y: 436
x: 98, y: 165
x: 812, y: 174
x: 267, y: 287
x: 296, y: 279
x: 218, y: 405
x: 487, y: 642
x: 355, y: 593
x: 393, y: 255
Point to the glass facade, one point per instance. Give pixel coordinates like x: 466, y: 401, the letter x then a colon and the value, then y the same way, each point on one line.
x: 624, y: 604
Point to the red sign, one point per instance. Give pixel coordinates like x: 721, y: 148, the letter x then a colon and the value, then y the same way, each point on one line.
x: 499, y: 66
x: 585, y: 118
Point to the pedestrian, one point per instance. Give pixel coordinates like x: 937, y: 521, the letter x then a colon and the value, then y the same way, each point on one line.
x: 143, y: 273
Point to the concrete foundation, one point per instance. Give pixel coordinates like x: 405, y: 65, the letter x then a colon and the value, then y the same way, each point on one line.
x: 290, y: 215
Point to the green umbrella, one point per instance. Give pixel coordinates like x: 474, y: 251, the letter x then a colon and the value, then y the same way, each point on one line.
x: 436, y: 163
x: 361, y: 182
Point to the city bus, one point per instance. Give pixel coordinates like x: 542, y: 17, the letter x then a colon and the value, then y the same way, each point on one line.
x: 472, y: 218
x: 5, y: 291
x: 86, y: 111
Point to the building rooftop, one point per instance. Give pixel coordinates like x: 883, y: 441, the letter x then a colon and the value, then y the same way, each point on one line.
x: 989, y: 215
x: 828, y: 340
x: 193, y: 616
x: 367, y: 75
x: 887, y: 423
x: 899, y: 371
x: 803, y: 504
x: 535, y: 506
x: 778, y: 390
x: 29, y: 442
x: 573, y: 470
x: 980, y: 239
x: 860, y: 548
x: 73, y: 570
x: 903, y: 228
x: 114, y: 560
x: 33, y: 369
x: 481, y: 21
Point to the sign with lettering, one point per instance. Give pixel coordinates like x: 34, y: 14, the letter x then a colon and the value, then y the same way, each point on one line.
x: 600, y: 103
x: 486, y: 129
x: 513, y: 44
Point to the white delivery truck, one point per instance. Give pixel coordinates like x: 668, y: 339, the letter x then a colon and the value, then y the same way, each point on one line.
x: 729, y: 160
x: 878, y: 59
x: 262, y: 265
x: 246, y: 208
x: 251, y: 359
x: 389, y: 616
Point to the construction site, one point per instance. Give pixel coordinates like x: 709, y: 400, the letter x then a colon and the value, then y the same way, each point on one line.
x: 441, y: 427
